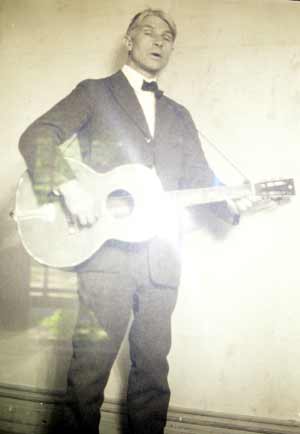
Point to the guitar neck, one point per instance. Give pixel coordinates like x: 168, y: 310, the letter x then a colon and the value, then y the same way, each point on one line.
x: 190, y: 197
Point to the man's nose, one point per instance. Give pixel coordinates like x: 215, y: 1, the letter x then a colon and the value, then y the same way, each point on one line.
x: 158, y: 41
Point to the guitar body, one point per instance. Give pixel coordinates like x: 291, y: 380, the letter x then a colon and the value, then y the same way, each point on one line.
x: 126, y: 197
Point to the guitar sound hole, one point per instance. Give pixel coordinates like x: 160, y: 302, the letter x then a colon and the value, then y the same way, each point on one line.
x: 120, y: 203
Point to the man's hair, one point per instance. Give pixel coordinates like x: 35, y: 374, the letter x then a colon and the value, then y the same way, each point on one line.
x: 139, y: 17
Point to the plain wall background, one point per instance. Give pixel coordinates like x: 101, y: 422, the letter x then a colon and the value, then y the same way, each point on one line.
x: 236, y: 67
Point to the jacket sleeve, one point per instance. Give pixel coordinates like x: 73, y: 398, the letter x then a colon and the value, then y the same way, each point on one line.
x: 198, y: 173
x: 39, y: 144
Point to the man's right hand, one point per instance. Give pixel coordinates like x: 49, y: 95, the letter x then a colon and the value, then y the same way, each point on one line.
x: 79, y: 202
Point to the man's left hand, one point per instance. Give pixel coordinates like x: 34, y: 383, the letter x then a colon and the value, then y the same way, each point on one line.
x: 239, y: 206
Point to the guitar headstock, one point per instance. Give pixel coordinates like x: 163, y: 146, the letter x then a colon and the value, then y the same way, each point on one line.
x: 275, y: 189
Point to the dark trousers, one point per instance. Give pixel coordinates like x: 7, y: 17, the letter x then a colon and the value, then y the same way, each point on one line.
x: 106, y: 301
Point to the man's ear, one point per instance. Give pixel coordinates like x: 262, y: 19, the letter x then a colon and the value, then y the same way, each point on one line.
x: 127, y: 42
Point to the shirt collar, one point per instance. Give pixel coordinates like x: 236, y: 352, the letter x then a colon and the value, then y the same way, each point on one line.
x: 135, y: 78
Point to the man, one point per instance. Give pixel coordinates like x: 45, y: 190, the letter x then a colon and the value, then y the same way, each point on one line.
x: 118, y: 120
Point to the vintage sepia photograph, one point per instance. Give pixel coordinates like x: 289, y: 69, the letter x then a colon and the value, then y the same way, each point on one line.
x: 149, y: 217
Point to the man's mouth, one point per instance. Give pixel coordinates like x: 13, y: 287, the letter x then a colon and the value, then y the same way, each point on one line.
x: 156, y: 55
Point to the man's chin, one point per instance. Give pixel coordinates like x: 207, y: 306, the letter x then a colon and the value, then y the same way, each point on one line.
x: 154, y: 68
x: 149, y: 68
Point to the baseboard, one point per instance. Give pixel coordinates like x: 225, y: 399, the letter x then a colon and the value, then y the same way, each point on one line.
x: 27, y: 411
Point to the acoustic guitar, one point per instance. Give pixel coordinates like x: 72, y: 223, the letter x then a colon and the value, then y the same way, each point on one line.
x: 132, y: 204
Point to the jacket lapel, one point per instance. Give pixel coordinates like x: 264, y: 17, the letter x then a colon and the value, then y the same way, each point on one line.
x: 162, y: 118
x: 126, y: 98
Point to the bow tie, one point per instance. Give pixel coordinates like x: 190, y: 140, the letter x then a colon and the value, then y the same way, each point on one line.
x: 151, y: 86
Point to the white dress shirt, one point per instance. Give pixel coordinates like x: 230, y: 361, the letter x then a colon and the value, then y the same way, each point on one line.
x: 146, y: 99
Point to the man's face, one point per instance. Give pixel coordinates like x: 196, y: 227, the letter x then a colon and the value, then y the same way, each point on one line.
x: 150, y: 45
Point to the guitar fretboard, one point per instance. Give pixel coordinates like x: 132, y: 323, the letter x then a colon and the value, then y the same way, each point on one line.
x: 189, y: 197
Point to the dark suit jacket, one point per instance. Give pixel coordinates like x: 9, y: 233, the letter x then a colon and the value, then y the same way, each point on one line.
x: 112, y: 130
